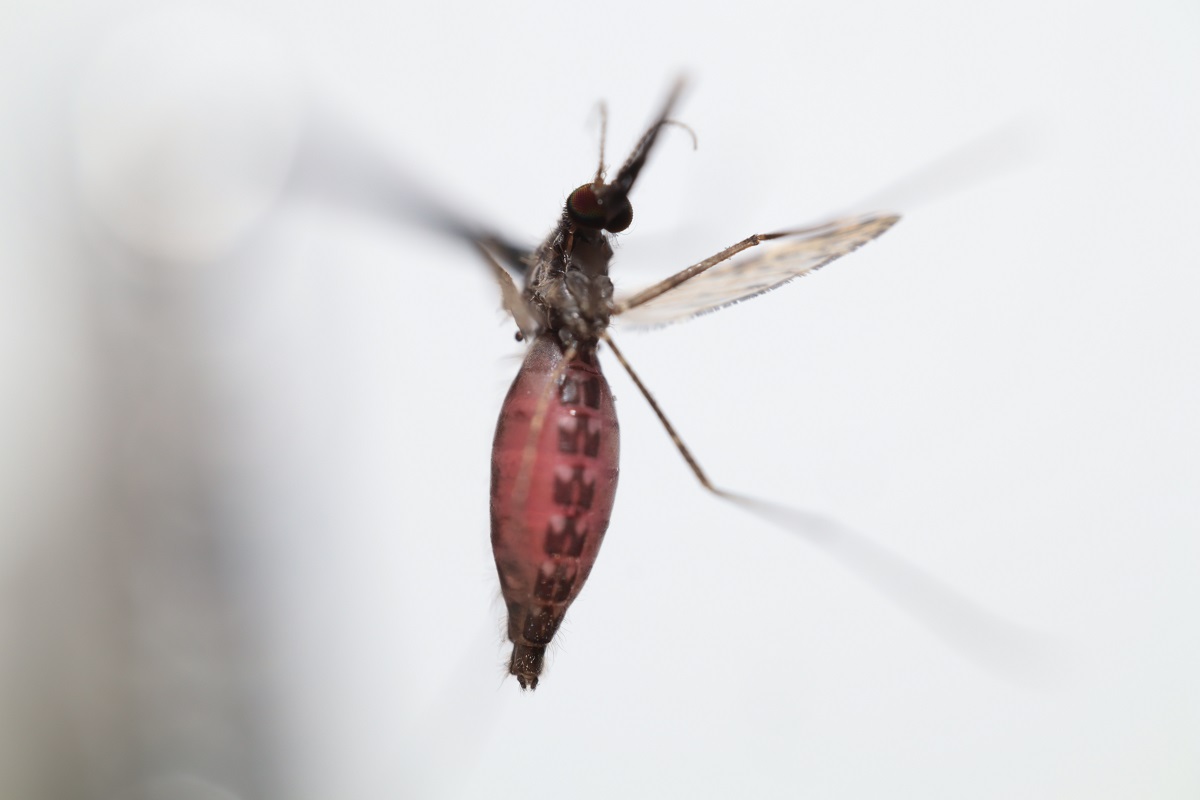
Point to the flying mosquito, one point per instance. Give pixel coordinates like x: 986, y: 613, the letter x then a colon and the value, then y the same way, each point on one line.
x: 554, y: 459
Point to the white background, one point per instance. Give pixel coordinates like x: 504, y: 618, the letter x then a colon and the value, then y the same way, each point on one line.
x: 1003, y: 389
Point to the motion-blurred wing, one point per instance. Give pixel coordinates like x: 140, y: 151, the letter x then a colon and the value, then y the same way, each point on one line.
x: 340, y: 164
x: 742, y: 278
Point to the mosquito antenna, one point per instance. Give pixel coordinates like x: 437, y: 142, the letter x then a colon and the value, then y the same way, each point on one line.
x: 603, y: 135
x: 643, y: 149
x: 690, y: 131
x: 637, y: 159
x: 959, y: 621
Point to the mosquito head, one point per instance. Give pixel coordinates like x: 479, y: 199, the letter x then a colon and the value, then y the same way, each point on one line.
x: 601, y: 207
x: 605, y: 206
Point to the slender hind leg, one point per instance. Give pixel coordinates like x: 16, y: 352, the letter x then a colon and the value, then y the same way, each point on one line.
x: 992, y: 641
x: 683, y: 450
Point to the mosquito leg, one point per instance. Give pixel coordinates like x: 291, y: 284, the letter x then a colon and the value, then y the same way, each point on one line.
x: 511, y: 297
x: 683, y: 450
x: 666, y: 285
x: 991, y: 641
x: 877, y: 224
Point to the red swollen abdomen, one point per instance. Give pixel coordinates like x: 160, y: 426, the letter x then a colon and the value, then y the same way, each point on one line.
x: 548, y: 523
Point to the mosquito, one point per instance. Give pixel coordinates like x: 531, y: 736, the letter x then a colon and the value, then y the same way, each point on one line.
x: 555, y: 454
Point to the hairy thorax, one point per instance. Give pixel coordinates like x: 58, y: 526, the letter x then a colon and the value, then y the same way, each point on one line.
x: 569, y: 287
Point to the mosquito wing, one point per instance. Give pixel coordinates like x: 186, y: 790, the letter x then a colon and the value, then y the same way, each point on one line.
x: 340, y: 164
x: 730, y: 282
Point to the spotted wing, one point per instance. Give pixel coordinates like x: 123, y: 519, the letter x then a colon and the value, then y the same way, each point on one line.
x: 804, y: 251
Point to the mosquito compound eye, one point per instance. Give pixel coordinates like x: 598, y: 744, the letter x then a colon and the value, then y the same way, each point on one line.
x: 585, y: 208
x: 620, y: 216
x: 592, y: 209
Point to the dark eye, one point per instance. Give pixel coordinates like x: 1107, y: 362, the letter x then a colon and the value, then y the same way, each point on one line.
x: 620, y: 216
x: 586, y: 208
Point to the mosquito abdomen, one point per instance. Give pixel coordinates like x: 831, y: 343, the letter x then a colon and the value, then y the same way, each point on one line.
x: 553, y: 485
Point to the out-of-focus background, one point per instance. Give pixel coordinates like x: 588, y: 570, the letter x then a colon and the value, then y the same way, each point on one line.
x: 247, y: 401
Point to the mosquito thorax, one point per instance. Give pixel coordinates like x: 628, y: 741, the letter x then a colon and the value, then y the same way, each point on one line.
x: 601, y: 207
x: 581, y: 306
